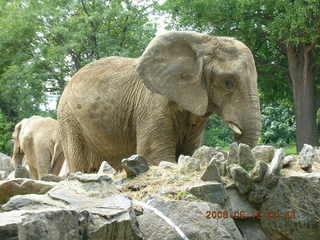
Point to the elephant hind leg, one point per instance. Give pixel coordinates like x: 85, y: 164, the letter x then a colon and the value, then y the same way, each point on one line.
x: 73, y: 143
x: 43, y: 162
x: 76, y: 149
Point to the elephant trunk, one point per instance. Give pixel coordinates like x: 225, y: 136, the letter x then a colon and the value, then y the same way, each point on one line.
x: 251, y: 125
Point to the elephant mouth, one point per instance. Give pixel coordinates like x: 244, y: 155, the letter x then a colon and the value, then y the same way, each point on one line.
x: 235, y: 128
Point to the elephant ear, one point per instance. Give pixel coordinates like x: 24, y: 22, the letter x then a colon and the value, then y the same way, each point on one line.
x: 172, y: 66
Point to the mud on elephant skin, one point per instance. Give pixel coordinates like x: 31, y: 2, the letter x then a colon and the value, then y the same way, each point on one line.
x: 157, y: 105
x: 36, y: 142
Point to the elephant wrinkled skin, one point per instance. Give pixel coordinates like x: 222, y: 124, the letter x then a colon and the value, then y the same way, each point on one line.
x: 36, y: 141
x: 157, y: 105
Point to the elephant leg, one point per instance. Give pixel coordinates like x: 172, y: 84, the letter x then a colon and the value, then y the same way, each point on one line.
x: 32, y: 167
x: 30, y: 159
x: 57, y: 159
x: 73, y: 143
x: 157, y: 144
x: 43, y: 162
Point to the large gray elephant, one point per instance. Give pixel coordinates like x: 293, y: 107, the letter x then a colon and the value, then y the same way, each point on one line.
x: 157, y: 105
x: 36, y: 141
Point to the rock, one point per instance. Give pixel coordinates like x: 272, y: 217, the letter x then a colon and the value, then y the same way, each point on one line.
x: 210, y: 192
x: 288, y: 160
x: 3, y: 174
x: 51, y: 178
x: 224, y: 153
x: 188, y: 164
x: 222, y: 167
x: 257, y: 174
x: 246, y: 159
x: 277, y: 161
x: 292, y: 210
x: 64, y: 172
x: 251, y: 229
x: 14, y: 187
x: 241, y: 179
x: 306, y: 157
x: 204, y: 155
x: 5, y: 162
x: 167, y: 165
x: 220, y: 159
x: 261, y: 191
x: 5, y: 165
x: 190, y: 217
x: 164, y: 191
x: 263, y: 153
x: 21, y: 172
x: 233, y: 157
x: 137, y: 186
x: 105, y: 168
x: 52, y: 225
x: 134, y: 165
x: 258, y: 194
x: 85, y: 206
x: 11, y: 175
x: 240, y: 203
x: 81, y: 187
x: 317, y: 149
x: 211, y: 173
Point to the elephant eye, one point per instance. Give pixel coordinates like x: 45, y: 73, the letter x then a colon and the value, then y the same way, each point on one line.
x: 229, y: 83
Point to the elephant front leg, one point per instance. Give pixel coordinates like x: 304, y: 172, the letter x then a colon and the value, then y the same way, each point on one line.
x: 157, y: 147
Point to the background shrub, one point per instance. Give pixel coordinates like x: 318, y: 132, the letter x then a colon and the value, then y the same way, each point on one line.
x: 278, y: 128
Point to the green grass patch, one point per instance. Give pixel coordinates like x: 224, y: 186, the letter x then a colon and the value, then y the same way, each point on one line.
x: 289, y: 149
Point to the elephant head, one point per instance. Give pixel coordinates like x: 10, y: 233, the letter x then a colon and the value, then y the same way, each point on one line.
x: 18, y: 154
x: 204, y: 75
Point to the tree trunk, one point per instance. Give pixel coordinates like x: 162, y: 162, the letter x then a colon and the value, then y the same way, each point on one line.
x: 300, y: 70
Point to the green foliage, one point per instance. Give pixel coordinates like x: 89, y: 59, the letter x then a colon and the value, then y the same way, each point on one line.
x: 248, y: 21
x: 5, y: 134
x: 278, y: 128
x: 278, y: 125
x: 217, y: 133
x: 44, y: 42
x: 21, y: 91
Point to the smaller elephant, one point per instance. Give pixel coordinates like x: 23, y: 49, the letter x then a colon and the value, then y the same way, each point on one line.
x: 36, y: 141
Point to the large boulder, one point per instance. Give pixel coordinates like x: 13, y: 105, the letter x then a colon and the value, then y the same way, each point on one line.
x: 135, y: 165
x: 292, y: 210
x: 213, y: 192
x: 85, y: 206
x: 204, y: 155
x: 105, y: 168
x: 307, y: 157
x: 21, y: 186
x: 190, y: 218
x: 212, y: 172
x: 263, y: 153
x: 5, y: 165
x: 246, y: 159
x: 188, y: 164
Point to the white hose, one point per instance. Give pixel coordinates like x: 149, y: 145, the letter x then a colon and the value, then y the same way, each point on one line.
x: 160, y: 214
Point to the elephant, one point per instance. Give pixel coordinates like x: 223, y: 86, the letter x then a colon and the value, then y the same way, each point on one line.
x: 157, y: 105
x: 36, y: 141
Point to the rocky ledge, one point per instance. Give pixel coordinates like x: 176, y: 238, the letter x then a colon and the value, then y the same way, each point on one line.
x: 241, y: 194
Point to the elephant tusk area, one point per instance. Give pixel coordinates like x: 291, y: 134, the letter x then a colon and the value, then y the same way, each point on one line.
x: 235, y: 128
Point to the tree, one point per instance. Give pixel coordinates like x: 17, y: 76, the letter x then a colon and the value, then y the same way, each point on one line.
x: 284, y: 38
x: 44, y: 42
x: 21, y: 92
x: 78, y: 32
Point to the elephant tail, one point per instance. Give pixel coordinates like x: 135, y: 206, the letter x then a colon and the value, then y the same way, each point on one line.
x: 57, y: 159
